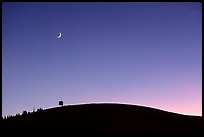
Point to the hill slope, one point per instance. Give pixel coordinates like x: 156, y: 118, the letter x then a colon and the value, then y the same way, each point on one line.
x: 103, y: 119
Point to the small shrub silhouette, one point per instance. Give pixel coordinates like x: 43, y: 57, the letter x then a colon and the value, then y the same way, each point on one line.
x: 40, y: 109
x: 24, y: 112
x: 17, y: 115
x: 9, y: 116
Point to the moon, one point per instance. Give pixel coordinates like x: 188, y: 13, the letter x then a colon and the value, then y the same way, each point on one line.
x: 60, y: 35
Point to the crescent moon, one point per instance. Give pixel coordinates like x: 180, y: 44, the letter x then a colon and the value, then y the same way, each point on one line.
x: 60, y: 35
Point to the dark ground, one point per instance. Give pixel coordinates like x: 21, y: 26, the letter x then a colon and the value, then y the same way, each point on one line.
x: 103, y: 120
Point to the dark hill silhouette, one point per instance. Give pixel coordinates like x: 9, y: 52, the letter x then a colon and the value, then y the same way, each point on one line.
x: 103, y: 119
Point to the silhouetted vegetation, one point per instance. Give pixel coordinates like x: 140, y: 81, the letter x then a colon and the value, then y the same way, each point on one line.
x: 39, y: 110
x: 103, y: 119
x: 24, y: 112
x: 61, y: 103
x: 17, y: 115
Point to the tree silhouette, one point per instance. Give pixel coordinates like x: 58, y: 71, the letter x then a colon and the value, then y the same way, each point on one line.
x: 61, y: 103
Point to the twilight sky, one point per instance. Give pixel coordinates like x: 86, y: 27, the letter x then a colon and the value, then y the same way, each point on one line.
x: 137, y: 53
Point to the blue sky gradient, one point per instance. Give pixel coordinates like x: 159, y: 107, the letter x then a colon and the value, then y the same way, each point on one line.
x: 138, y: 53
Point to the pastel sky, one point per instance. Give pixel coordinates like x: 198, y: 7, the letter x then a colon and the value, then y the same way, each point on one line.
x: 145, y: 54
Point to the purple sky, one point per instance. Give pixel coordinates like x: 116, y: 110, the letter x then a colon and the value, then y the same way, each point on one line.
x: 137, y: 53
